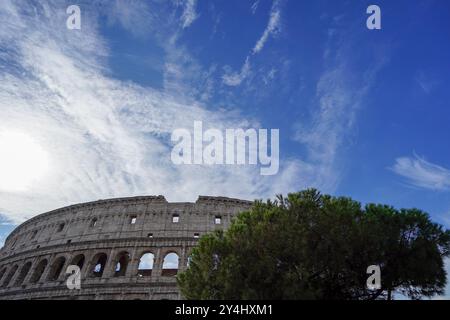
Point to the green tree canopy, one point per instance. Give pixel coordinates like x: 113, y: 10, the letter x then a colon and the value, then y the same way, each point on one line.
x: 313, y: 246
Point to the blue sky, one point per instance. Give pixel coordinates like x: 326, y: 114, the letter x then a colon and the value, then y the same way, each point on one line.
x: 362, y: 113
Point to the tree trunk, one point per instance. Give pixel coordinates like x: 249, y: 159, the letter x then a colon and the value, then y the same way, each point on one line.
x: 389, y: 297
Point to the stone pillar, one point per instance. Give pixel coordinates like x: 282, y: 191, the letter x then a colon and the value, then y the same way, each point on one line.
x: 34, y: 264
x: 62, y: 276
x: 182, y: 260
x: 133, y: 265
x: 12, y: 282
x: 157, y: 263
x: 86, y: 273
x: 50, y: 260
x: 2, y: 277
x: 110, y: 265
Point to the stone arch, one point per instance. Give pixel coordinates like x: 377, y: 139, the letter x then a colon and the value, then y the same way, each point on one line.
x: 2, y: 273
x: 23, y: 273
x: 10, y: 275
x: 60, y: 226
x: 171, y: 264
x: 38, y: 271
x: 56, y: 268
x: 146, y: 264
x: 98, y: 264
x: 121, y: 264
x: 78, y: 260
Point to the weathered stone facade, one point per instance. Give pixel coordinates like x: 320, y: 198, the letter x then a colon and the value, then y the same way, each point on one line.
x: 107, y: 239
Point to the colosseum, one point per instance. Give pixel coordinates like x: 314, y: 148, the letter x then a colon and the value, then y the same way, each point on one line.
x: 126, y: 248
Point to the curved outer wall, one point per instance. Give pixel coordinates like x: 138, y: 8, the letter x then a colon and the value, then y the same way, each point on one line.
x: 107, y: 239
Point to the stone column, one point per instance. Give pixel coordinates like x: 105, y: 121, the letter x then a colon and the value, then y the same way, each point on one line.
x: 133, y: 265
x: 50, y: 260
x: 110, y: 265
x: 157, y: 263
x: 87, y: 268
x: 62, y: 276
x: 12, y: 282
x: 34, y: 264
x: 182, y: 260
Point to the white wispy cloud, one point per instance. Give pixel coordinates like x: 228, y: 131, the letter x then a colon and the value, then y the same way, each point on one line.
x: 104, y: 137
x: 445, y: 219
x: 422, y: 173
x: 189, y: 13
x: 234, y: 79
x: 135, y: 16
x: 340, y: 93
x: 7, y: 224
x: 254, y: 6
x: 425, y: 82
x: 272, y: 27
x: 267, y: 78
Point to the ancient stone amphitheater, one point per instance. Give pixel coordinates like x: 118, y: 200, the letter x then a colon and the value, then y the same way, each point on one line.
x: 126, y: 248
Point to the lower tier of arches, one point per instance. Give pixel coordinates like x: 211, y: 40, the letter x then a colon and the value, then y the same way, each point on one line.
x: 119, y: 267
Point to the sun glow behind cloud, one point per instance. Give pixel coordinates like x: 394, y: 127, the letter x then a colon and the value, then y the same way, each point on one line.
x: 111, y: 138
x: 107, y: 138
x: 23, y: 162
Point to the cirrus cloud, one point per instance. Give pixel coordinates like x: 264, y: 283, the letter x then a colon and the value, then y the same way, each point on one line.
x: 422, y: 173
x: 105, y: 137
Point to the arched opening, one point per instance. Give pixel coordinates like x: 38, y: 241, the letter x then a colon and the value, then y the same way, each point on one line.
x: 9, y: 276
x: 170, y: 265
x: 61, y: 227
x: 37, y: 274
x: 189, y: 259
x: 146, y: 264
x: 78, y: 261
x: 2, y: 273
x: 23, y: 273
x: 98, y: 263
x: 56, y: 269
x: 121, y: 265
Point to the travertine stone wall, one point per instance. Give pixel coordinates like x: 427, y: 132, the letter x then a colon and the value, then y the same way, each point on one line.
x: 36, y: 254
